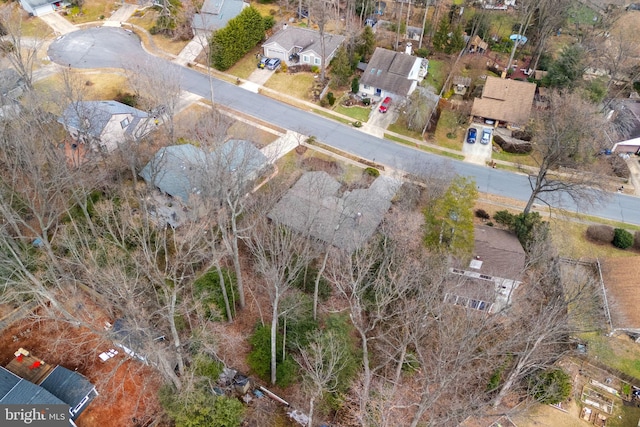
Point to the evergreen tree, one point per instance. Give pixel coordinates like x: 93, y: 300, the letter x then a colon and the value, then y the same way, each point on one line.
x: 456, y: 43
x: 366, y: 43
x: 449, y: 222
x: 441, y: 37
x: 340, y: 68
x: 567, y: 70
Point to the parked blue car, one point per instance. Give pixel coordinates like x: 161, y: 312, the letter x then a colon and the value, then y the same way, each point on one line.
x: 471, y: 137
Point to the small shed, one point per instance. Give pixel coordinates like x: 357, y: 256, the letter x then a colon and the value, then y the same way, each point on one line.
x: 461, y: 85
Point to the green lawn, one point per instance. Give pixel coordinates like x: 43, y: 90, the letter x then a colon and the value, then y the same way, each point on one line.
x: 629, y: 416
x: 446, y: 127
x: 502, y: 23
x: 423, y: 147
x: 92, y: 10
x: 297, y: 85
x: 247, y: 65
x: 581, y: 14
x: 623, y: 355
x: 517, y: 159
x: 400, y: 126
x: 436, y: 76
x: 358, y: 113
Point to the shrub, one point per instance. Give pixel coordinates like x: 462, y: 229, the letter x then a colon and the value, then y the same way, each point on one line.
x: 315, y: 69
x: 490, y: 224
x: 622, y: 238
x: 268, y: 21
x: 513, y: 147
x: 423, y: 52
x: 600, y: 233
x: 550, y: 386
x: 504, y: 218
x: 126, y: 98
x: 355, y: 85
x: 481, y: 213
x: 259, y: 358
x: 331, y: 98
x: 366, y: 101
x: 306, y: 282
x: 372, y: 172
x: 207, y: 288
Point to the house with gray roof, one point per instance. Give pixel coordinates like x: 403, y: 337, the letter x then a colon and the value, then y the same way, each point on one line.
x: 393, y: 74
x: 487, y: 283
x: 29, y: 380
x: 631, y: 144
x: 315, y: 206
x: 187, y: 173
x: 105, y: 124
x: 41, y: 7
x: 295, y: 45
x: 215, y: 14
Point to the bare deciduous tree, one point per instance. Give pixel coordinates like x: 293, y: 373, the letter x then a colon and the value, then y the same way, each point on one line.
x: 567, y: 136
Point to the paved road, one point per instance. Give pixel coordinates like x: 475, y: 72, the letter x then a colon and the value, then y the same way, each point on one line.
x: 115, y: 47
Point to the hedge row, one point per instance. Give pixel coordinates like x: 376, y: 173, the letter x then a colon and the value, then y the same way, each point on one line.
x: 239, y: 36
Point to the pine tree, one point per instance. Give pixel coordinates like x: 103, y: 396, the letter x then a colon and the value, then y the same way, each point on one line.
x: 441, y: 37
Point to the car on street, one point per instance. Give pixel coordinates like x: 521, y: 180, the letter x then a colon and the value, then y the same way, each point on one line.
x: 384, y: 107
x: 486, y: 136
x: 471, y: 136
x: 273, y: 63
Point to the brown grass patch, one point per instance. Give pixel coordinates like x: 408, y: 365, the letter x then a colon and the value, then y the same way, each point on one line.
x: 621, y: 281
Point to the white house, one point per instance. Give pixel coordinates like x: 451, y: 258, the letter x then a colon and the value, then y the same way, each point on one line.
x: 390, y: 73
x: 105, y: 124
x: 41, y: 7
x: 300, y: 45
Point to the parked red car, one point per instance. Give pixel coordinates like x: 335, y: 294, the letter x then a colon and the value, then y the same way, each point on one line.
x: 385, y: 105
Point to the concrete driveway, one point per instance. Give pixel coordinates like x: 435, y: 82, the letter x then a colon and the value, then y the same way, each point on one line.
x: 477, y: 153
x: 58, y: 24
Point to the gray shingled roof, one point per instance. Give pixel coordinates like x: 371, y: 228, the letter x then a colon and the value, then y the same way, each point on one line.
x: 500, y: 251
x: 69, y: 386
x: 215, y: 14
x: 312, y: 206
x: 305, y: 39
x: 388, y: 70
x: 93, y: 116
x: 183, y: 170
x: 9, y: 80
x: 15, y: 390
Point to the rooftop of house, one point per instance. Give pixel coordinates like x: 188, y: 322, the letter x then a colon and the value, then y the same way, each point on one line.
x: 389, y: 71
x: 505, y: 100
x: 313, y: 206
x: 487, y: 282
x: 16, y: 390
x: 69, y: 386
x: 216, y: 13
x: 93, y: 116
x: 290, y: 37
x: 185, y: 170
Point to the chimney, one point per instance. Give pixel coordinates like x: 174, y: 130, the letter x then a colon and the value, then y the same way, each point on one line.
x: 504, y: 74
x: 285, y: 26
x: 408, y: 48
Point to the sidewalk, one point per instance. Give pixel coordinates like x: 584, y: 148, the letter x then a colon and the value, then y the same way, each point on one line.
x: 192, y: 50
x: 121, y: 15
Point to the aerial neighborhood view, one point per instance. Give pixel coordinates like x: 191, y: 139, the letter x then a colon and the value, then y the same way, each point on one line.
x: 226, y: 213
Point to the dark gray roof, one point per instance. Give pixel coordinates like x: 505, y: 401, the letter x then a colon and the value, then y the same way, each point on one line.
x: 312, y: 206
x: 15, y: 390
x: 389, y: 71
x: 216, y: 13
x: 183, y: 170
x: 305, y: 39
x: 174, y: 170
x: 93, y: 116
x: 70, y: 387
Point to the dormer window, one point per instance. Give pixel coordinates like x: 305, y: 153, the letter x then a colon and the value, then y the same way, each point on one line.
x: 124, y: 123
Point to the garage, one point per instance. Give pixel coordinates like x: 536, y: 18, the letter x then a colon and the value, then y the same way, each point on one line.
x: 275, y: 53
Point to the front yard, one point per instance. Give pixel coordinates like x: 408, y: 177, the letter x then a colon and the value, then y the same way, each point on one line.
x: 297, y: 85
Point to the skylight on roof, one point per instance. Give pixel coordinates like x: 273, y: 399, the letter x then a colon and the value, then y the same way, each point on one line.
x: 373, y: 71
